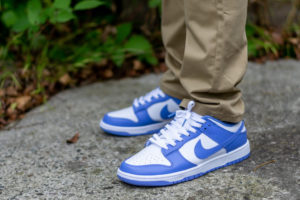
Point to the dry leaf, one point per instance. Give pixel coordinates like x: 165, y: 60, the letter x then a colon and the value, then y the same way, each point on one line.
x: 277, y: 38
x: 294, y: 41
x: 297, y: 51
x: 65, y: 79
x: 2, y: 93
x: 23, y: 102
x: 29, y: 89
x: 11, y: 110
x: 108, y: 73
x: 138, y: 65
x: 2, y: 121
x: 11, y: 91
x: 12, y: 117
x: 86, y: 72
x: 74, y: 139
x: 10, y: 100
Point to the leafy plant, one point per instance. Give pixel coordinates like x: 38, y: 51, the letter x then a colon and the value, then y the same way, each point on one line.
x: 260, y: 41
x: 155, y: 4
x: 50, y: 34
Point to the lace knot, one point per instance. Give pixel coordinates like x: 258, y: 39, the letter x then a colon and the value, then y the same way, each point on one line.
x: 184, y: 123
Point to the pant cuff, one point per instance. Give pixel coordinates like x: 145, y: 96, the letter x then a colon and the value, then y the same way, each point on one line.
x: 210, y: 110
x: 171, y: 93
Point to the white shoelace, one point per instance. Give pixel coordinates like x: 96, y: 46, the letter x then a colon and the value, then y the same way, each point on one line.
x: 184, y: 122
x: 156, y: 93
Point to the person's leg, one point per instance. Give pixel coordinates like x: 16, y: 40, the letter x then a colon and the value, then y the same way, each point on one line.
x: 197, y: 140
x: 214, y: 59
x: 173, y: 34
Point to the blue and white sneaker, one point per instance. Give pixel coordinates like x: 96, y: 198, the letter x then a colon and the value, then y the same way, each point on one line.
x: 147, y: 115
x: 188, y: 147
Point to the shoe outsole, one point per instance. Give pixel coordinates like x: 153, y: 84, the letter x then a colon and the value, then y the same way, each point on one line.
x: 124, y: 134
x: 127, y: 134
x: 166, y: 183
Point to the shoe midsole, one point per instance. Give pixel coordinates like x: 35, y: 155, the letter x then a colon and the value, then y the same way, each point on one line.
x: 133, y: 130
x: 204, y: 167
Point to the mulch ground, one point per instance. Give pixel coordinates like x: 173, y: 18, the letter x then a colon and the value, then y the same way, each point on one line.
x: 16, y: 100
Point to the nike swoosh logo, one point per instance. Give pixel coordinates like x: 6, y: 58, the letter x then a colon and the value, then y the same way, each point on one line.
x: 201, y: 151
x: 164, y: 113
x: 157, y: 113
x: 191, y: 150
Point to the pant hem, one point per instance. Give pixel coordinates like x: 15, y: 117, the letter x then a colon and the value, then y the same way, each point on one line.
x: 202, y: 109
x: 171, y: 92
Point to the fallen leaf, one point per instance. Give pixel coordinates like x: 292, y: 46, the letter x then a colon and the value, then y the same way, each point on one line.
x: 13, y: 117
x: 10, y: 100
x: 86, y: 72
x: 65, y: 79
x: 38, y: 99
x: 29, y: 89
x: 21, y: 116
x: 74, y: 139
x: 2, y: 121
x: 277, y: 38
x: 11, y: 110
x: 11, y: 91
x: 108, y: 73
x: 297, y: 51
x: 23, y: 102
x: 51, y: 87
x: 138, y: 65
x: 294, y: 41
x: 131, y: 73
x: 2, y: 92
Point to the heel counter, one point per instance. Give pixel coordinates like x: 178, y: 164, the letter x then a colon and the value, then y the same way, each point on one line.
x: 240, y: 140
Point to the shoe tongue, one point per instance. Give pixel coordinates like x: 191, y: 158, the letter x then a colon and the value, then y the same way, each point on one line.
x: 182, y: 116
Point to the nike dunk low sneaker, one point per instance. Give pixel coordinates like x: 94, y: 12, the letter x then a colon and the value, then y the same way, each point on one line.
x: 147, y: 115
x: 186, y: 148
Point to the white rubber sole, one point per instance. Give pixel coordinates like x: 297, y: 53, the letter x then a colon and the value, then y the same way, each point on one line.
x: 223, y: 160
x: 139, y: 130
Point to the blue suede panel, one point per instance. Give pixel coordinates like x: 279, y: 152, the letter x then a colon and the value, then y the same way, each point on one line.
x: 123, y: 122
x: 239, y: 141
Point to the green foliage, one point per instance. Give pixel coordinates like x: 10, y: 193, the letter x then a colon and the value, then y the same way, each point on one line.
x: 139, y: 45
x: 64, y: 35
x: 49, y: 34
x: 155, y: 4
x: 8, y: 75
x: 260, y: 42
x: 32, y: 13
x: 88, y: 4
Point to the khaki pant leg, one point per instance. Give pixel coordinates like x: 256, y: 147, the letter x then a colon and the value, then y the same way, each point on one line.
x: 215, y: 57
x: 174, y: 35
